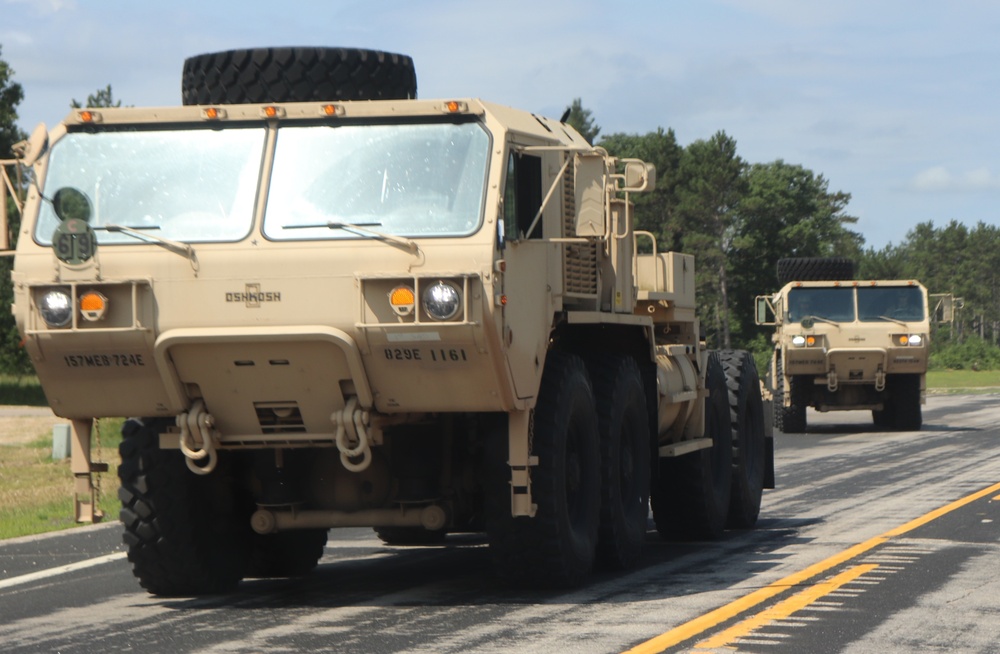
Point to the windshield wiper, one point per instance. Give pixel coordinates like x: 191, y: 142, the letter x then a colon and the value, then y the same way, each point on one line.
x: 363, y: 228
x: 141, y: 232
x: 895, y: 320
x: 821, y: 319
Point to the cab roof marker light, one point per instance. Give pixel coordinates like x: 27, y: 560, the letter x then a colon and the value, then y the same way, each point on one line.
x: 271, y: 111
x: 88, y: 116
x: 455, y: 107
x: 331, y: 110
x: 213, y: 113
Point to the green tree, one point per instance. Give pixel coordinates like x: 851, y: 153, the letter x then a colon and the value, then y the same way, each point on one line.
x: 11, y: 95
x: 787, y: 211
x: 710, y: 188
x: 655, y: 212
x: 13, y: 359
x: 581, y: 120
x: 102, y: 98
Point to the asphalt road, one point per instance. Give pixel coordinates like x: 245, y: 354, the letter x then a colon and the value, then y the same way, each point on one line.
x: 872, y: 542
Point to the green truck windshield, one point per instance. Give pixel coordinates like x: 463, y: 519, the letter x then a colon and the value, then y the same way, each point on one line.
x: 864, y: 303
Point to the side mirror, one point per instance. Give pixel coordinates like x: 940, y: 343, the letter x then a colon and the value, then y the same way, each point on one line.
x: 639, y: 176
x: 765, y: 311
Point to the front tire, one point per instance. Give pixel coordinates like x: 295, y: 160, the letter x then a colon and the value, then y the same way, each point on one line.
x: 186, y: 534
x: 556, y: 547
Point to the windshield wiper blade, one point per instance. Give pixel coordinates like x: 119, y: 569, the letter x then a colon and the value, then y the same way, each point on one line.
x: 140, y: 232
x: 363, y: 228
x: 821, y: 319
x: 895, y: 320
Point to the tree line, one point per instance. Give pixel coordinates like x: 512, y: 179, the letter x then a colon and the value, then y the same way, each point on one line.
x: 736, y: 217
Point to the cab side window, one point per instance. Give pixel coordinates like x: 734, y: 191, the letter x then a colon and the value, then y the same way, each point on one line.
x: 522, y: 196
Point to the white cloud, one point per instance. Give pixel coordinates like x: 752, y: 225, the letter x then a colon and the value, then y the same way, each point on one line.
x: 939, y: 178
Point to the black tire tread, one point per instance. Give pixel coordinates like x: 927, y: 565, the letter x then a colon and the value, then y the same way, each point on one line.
x: 814, y: 269
x: 301, y: 74
x: 543, y: 551
x: 746, y: 416
x: 183, y: 531
x: 690, y: 499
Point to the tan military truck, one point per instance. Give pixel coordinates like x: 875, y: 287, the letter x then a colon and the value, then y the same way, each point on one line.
x: 843, y: 345
x: 326, y: 303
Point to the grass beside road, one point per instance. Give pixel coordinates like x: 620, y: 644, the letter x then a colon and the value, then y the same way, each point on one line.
x: 963, y: 381
x: 36, y: 492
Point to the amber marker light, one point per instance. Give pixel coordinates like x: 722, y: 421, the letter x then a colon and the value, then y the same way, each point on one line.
x: 402, y: 300
x: 93, y: 306
x: 332, y: 110
x: 810, y: 341
x: 270, y: 111
x: 454, y: 106
x: 87, y: 116
x: 213, y: 113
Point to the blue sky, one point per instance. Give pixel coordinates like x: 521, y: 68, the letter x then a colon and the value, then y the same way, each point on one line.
x: 894, y: 101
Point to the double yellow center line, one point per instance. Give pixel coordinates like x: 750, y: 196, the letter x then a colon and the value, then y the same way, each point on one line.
x: 711, y: 619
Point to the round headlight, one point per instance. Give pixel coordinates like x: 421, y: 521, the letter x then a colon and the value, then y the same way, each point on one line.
x: 916, y: 339
x: 56, y: 308
x: 442, y: 301
x: 798, y: 341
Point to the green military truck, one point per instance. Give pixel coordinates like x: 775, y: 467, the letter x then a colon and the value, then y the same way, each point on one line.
x: 326, y: 303
x: 842, y: 344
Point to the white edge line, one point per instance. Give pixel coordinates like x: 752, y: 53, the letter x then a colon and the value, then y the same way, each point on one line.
x: 52, y: 572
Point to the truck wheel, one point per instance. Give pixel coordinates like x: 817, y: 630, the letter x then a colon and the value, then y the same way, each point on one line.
x: 746, y: 418
x: 625, y: 454
x: 556, y: 547
x: 904, y: 398
x: 691, y: 496
x: 286, y: 554
x: 186, y: 534
x: 787, y: 419
x: 814, y: 269
x: 403, y: 536
x: 262, y: 75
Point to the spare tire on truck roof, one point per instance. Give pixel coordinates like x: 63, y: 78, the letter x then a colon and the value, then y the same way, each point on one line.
x: 815, y: 269
x: 259, y: 75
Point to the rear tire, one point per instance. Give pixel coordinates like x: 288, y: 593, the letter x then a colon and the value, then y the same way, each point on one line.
x: 286, y: 554
x: 625, y: 455
x: 691, y: 497
x: 186, y: 534
x: 261, y: 75
x: 903, y: 393
x: 746, y: 417
x: 555, y: 548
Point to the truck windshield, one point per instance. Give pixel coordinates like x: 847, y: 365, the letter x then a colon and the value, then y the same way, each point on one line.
x: 188, y: 185
x: 835, y: 304
x: 414, y: 180
x: 879, y: 303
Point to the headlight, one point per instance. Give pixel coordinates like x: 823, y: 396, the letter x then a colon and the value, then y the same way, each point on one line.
x: 442, y: 301
x: 798, y: 341
x: 915, y: 340
x: 56, y: 308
